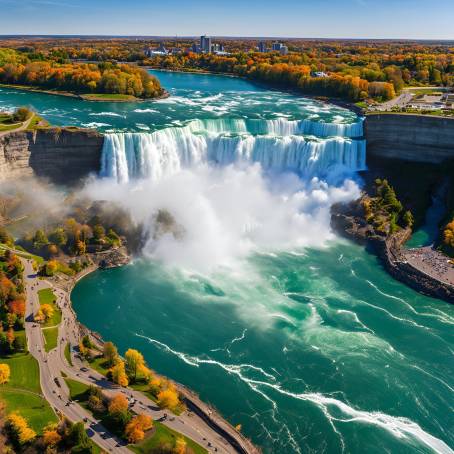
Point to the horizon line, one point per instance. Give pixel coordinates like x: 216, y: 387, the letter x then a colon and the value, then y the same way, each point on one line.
x: 88, y: 35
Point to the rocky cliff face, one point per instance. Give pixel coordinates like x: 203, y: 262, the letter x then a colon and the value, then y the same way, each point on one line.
x: 348, y: 220
x: 408, y: 137
x: 63, y: 156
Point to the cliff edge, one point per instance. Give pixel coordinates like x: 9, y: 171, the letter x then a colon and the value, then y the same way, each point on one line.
x: 408, y: 137
x: 61, y: 155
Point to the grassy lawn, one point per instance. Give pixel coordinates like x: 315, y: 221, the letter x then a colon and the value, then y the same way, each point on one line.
x: 99, y: 365
x: 7, y: 123
x: 68, y: 353
x: 26, y: 255
x: 51, y: 337
x: 34, y: 408
x: 24, y: 372
x: 163, y: 435
x: 20, y: 393
x: 37, y: 122
x: 46, y: 296
x: 77, y: 390
x: 108, y: 97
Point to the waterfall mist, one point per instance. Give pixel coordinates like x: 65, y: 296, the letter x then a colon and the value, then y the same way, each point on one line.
x: 228, y: 212
x: 232, y: 186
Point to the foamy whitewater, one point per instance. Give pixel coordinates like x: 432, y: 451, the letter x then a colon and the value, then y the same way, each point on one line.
x: 277, y: 145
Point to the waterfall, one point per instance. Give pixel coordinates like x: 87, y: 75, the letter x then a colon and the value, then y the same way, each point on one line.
x: 276, y: 144
x: 279, y: 127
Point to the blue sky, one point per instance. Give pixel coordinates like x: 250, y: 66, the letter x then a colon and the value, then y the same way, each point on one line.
x: 416, y: 19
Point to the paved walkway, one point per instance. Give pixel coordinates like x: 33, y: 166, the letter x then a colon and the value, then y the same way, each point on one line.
x: 431, y: 262
x: 53, y: 362
x: 24, y: 125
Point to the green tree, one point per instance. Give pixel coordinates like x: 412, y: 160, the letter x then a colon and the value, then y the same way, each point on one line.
x: 99, y: 232
x: 407, y: 219
x: 59, y: 237
x: 40, y: 239
x: 110, y: 353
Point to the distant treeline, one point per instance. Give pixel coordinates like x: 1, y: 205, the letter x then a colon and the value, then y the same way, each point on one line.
x: 105, y: 77
x: 282, y: 71
x: 355, y: 69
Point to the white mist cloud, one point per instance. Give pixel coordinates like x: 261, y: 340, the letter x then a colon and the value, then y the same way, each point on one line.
x: 228, y: 213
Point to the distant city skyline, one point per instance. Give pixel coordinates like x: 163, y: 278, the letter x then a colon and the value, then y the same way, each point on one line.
x: 367, y: 19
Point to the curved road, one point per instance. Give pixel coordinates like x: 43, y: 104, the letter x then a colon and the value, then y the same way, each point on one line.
x: 54, y: 362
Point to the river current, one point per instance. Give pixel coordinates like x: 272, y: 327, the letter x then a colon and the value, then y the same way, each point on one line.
x: 300, y: 337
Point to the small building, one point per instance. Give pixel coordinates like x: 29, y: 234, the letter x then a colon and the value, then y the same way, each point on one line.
x: 283, y: 50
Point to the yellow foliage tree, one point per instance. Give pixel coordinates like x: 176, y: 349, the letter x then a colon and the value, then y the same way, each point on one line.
x: 47, y: 310
x: 51, y: 437
x: 180, y: 446
x: 19, y: 428
x: 119, y: 374
x: 51, y: 267
x: 4, y: 373
x: 118, y: 404
x: 448, y: 234
x: 135, y: 363
x: 82, y: 349
x: 135, y: 429
x: 168, y: 398
x: 39, y: 316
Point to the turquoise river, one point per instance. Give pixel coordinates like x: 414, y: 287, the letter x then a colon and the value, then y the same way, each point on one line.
x: 247, y: 297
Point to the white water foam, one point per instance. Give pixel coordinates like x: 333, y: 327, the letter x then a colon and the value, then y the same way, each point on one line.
x: 399, y: 427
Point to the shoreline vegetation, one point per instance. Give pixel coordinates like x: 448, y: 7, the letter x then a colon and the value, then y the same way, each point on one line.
x: 98, y: 97
x: 96, y: 80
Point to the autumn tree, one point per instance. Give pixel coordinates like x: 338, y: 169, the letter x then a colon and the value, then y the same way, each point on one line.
x: 10, y: 337
x: 118, y: 404
x: 51, y: 437
x: 136, y: 428
x: 168, y: 398
x: 17, y: 307
x: 119, y: 374
x: 118, y: 410
x: 180, y: 446
x: 135, y: 363
x: 47, y: 310
x: 51, y: 267
x: 4, y: 373
x: 18, y: 428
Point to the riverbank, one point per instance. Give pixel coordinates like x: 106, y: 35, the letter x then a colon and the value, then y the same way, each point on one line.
x: 324, y: 99
x: 94, y: 97
x: 425, y: 269
x: 196, y: 408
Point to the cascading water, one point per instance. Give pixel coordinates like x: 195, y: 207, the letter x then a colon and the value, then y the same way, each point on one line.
x: 278, y: 145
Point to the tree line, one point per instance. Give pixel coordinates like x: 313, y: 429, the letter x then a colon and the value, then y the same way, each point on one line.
x: 105, y: 77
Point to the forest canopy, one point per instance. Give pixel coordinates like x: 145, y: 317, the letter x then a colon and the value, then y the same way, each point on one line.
x: 105, y: 77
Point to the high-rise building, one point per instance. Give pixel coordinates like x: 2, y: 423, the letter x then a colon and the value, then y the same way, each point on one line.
x: 205, y: 44
x: 277, y: 46
x: 262, y: 46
